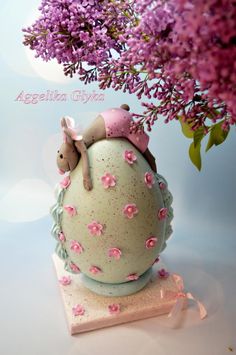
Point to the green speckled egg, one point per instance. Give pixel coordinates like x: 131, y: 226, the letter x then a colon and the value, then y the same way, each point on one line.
x: 114, y: 232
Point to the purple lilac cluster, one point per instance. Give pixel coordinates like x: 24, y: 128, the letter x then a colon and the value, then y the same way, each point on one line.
x: 77, y: 32
x: 178, y: 54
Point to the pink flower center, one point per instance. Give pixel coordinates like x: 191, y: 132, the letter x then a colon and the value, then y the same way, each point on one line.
x: 130, y: 209
x: 129, y: 155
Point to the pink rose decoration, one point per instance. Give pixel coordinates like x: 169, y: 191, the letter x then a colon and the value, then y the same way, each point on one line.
x: 78, y: 310
x: 108, y: 180
x: 65, y: 182
x: 71, y: 210
x: 151, y: 242
x: 130, y: 210
x: 132, y: 277
x: 129, y: 156
x: 162, y: 185
x: 95, y: 228
x: 65, y: 280
x: 95, y: 270
x: 149, y: 179
x: 76, y: 247
x: 163, y: 274
x: 114, y: 253
x: 114, y: 308
x: 162, y: 213
x: 74, y: 268
x: 62, y: 237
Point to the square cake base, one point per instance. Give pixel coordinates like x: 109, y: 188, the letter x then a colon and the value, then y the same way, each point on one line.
x: 146, y: 303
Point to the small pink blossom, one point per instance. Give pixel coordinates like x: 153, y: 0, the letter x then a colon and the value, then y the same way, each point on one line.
x: 76, y: 247
x: 130, y: 210
x: 162, y: 213
x: 95, y: 270
x: 108, y: 180
x: 149, y: 179
x: 71, y: 210
x: 129, y: 156
x: 163, y: 274
x: 65, y: 280
x: 95, y: 228
x: 74, y: 268
x: 114, y: 253
x: 114, y: 308
x: 162, y: 185
x: 78, y: 310
x: 65, y: 182
x: 151, y: 242
x: 156, y: 260
x: 132, y: 277
x: 62, y: 237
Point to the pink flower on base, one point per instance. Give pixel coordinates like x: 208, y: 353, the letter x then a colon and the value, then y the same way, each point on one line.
x: 132, y: 277
x: 163, y: 274
x: 71, y: 210
x: 162, y: 185
x: 62, y: 237
x: 130, y: 210
x: 149, y: 179
x: 114, y: 253
x: 74, y: 268
x: 76, y: 247
x: 65, y: 182
x: 114, y: 308
x: 129, y: 156
x: 162, y: 213
x: 95, y: 228
x: 95, y: 270
x: 65, y: 280
x: 151, y: 242
x: 108, y: 180
x: 78, y: 310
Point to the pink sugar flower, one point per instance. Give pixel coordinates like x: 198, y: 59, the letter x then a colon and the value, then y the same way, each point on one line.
x: 162, y: 213
x: 76, y: 247
x: 130, y: 210
x: 95, y: 228
x: 149, y: 179
x: 108, y: 180
x: 95, y: 270
x: 65, y: 182
x: 132, y: 277
x: 129, y: 156
x: 71, y: 210
x: 156, y: 260
x: 62, y: 237
x: 114, y: 308
x: 162, y: 185
x: 151, y: 242
x: 114, y: 253
x: 74, y: 268
x: 78, y: 310
x: 163, y: 274
x: 65, y: 280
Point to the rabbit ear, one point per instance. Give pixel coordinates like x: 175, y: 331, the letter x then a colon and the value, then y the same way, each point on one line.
x: 66, y: 123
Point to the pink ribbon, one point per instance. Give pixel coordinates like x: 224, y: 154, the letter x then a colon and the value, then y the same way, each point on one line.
x: 181, y: 298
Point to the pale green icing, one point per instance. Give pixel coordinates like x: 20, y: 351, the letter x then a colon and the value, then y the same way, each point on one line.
x: 105, y: 206
x: 56, y: 213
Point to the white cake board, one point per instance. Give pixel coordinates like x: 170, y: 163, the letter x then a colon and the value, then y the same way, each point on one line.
x: 146, y: 303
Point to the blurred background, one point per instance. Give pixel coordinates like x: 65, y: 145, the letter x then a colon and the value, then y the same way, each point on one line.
x: 204, y: 239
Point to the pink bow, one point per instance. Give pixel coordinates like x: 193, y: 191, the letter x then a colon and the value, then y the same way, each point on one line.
x: 181, y: 298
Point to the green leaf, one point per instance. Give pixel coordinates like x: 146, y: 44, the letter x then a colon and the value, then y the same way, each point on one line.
x: 186, y: 128
x: 217, y: 135
x: 198, y: 135
x: 195, y: 155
